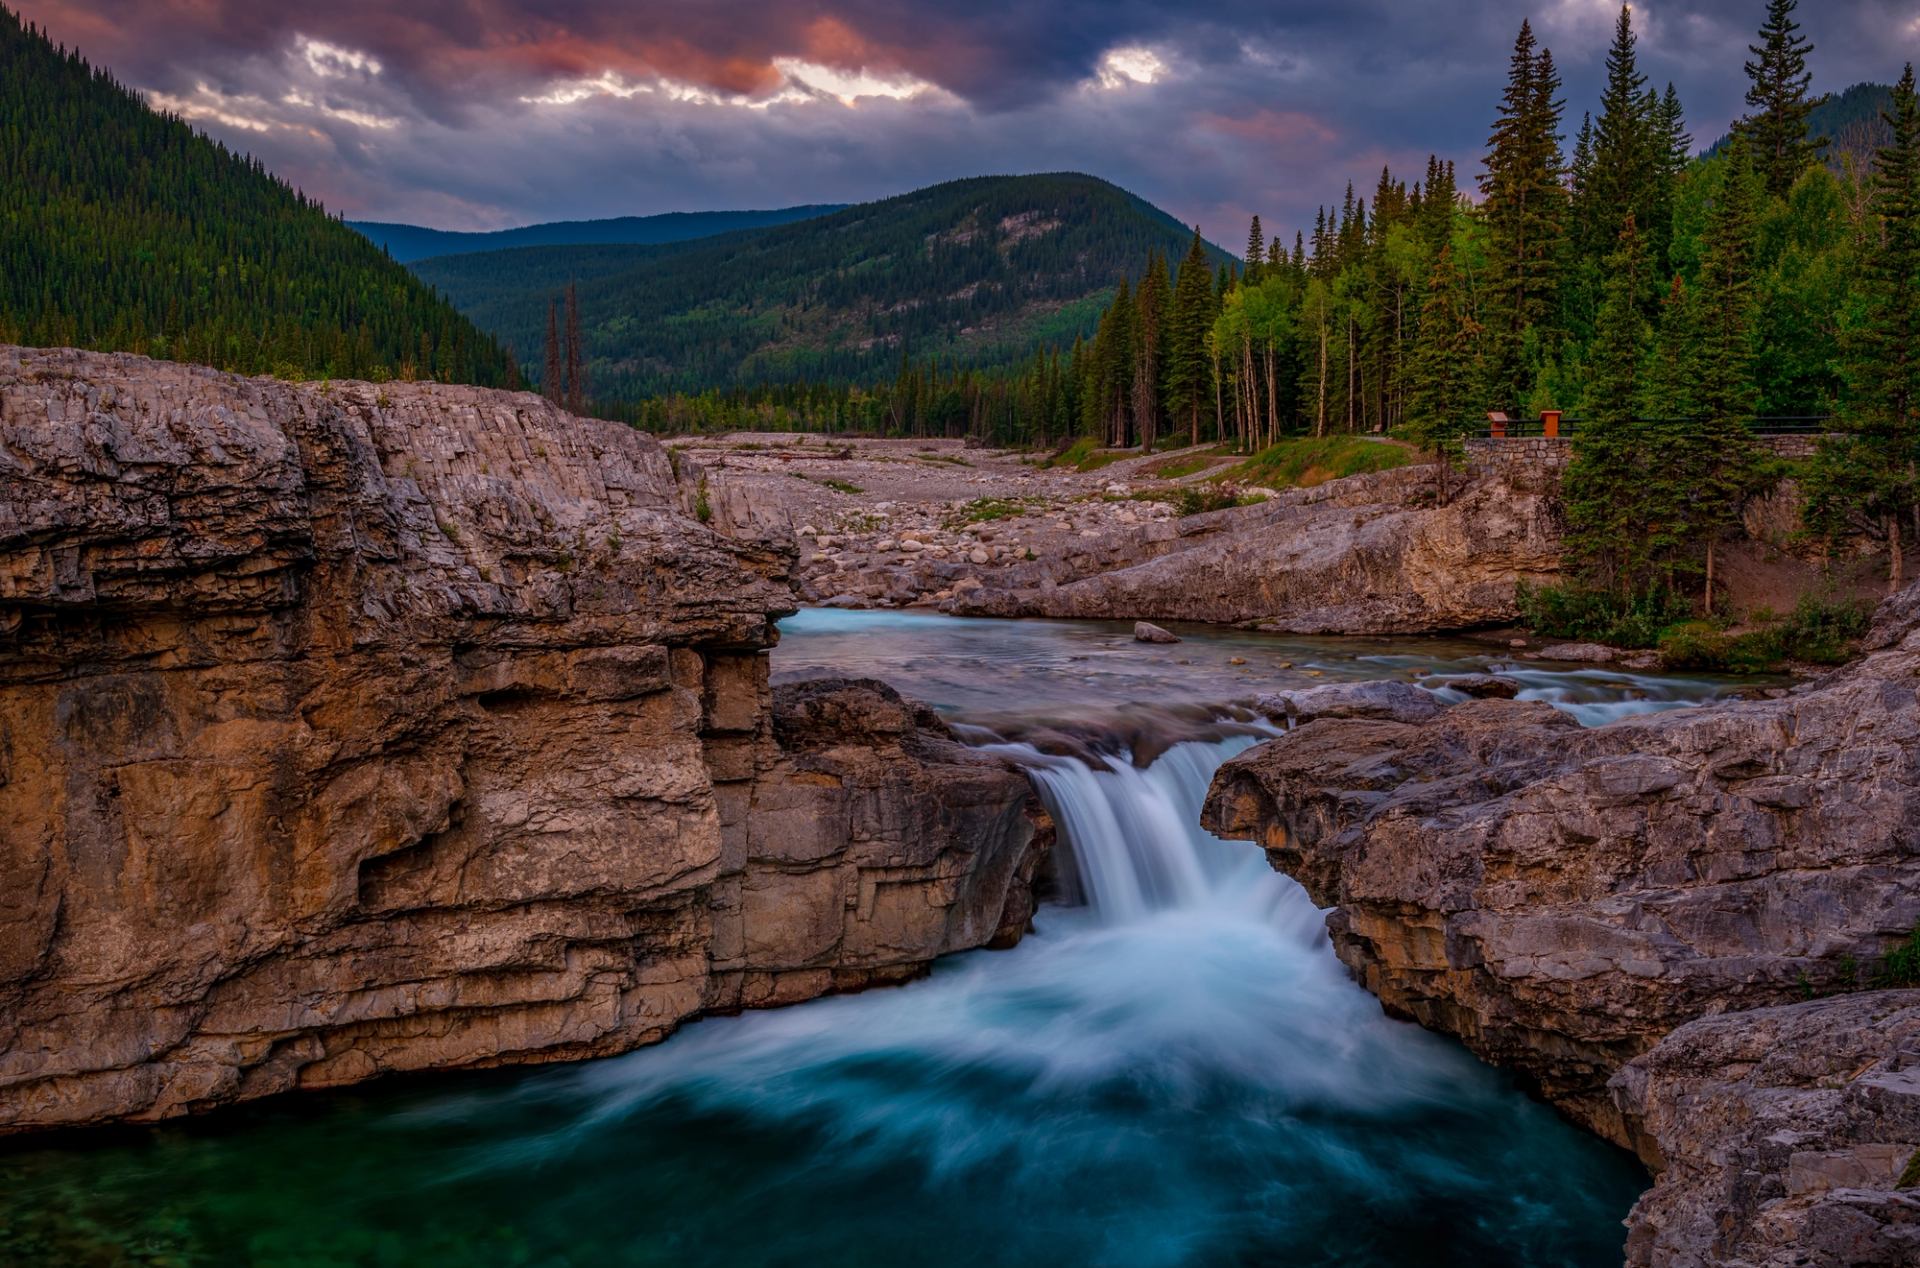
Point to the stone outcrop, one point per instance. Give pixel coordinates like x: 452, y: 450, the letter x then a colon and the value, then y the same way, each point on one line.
x: 1369, y: 554
x: 1563, y: 898
x: 352, y: 728
x: 1786, y: 1136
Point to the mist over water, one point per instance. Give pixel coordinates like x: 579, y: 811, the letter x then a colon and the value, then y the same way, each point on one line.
x: 1174, y: 1072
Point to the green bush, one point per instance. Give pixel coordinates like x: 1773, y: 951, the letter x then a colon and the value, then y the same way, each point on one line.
x: 1902, y: 966
x: 1305, y: 461
x: 1600, y: 616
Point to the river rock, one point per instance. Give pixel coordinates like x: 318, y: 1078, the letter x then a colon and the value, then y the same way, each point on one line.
x: 1148, y: 632
x: 1479, y: 686
x: 351, y: 728
x: 1578, y: 653
x: 1386, y: 699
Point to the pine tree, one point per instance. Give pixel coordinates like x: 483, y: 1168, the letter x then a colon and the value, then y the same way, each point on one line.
x: 1190, y: 321
x: 1606, y: 485
x: 1868, y: 478
x: 1777, y: 132
x: 552, y: 384
x: 576, y: 355
x: 1523, y: 207
x: 1711, y: 466
x: 1154, y: 298
x: 1256, y: 253
x: 1623, y: 175
x: 1442, y: 392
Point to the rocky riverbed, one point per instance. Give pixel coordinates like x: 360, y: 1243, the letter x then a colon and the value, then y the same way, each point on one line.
x: 989, y: 533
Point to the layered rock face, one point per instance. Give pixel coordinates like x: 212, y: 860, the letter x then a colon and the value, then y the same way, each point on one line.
x: 1788, y: 1136
x: 1364, y: 555
x: 1563, y: 898
x: 349, y: 728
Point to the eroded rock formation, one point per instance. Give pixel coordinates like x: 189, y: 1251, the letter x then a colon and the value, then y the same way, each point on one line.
x: 1563, y: 898
x: 349, y: 728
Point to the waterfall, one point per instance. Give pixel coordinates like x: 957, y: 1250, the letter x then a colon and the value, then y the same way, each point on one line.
x: 1134, y: 845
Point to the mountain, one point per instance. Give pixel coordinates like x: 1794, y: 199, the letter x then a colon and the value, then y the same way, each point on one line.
x: 977, y: 272
x: 1852, y: 123
x: 124, y: 230
x: 407, y: 243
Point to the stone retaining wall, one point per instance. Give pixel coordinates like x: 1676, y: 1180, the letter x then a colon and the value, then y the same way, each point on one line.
x: 1525, y: 460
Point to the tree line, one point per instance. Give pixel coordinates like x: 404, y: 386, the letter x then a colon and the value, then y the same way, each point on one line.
x: 1663, y: 300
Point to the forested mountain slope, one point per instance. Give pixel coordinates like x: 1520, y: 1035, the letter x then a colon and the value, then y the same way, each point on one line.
x: 980, y: 271
x: 407, y: 243
x: 124, y: 230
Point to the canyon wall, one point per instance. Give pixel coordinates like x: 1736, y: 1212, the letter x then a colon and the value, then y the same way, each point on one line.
x: 353, y: 728
x: 1563, y: 899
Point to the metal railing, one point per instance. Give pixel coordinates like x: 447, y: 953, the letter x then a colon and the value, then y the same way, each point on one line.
x: 1764, y: 425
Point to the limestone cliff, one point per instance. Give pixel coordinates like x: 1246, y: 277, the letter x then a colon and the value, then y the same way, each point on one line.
x: 349, y: 728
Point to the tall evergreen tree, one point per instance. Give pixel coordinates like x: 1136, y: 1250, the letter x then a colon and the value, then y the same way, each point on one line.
x: 576, y: 355
x: 1607, y: 482
x: 1868, y: 478
x: 1256, y: 253
x: 1777, y: 130
x: 1710, y: 467
x: 1443, y: 393
x: 553, y: 382
x: 1189, y: 322
x: 1523, y: 206
x: 1624, y: 176
x: 1155, y: 297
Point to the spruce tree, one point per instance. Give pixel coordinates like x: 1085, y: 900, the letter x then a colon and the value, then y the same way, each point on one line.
x: 1442, y: 392
x: 1868, y: 477
x: 1606, y: 485
x: 1777, y: 131
x: 1149, y: 326
x: 552, y: 385
x: 1256, y: 253
x: 1523, y: 206
x: 1623, y: 175
x: 1190, y: 320
x: 1711, y: 466
x: 576, y: 355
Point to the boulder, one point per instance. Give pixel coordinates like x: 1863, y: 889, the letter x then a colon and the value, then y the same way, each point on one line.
x: 1148, y: 632
x: 1384, y: 699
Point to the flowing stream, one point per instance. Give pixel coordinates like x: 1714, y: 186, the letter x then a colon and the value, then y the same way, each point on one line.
x: 1174, y: 1072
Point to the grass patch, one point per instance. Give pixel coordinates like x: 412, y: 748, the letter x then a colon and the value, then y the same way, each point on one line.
x: 987, y: 510
x: 1306, y: 461
x: 841, y: 486
x: 1085, y: 454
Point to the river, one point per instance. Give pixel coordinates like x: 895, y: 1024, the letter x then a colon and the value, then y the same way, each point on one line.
x: 1174, y: 1072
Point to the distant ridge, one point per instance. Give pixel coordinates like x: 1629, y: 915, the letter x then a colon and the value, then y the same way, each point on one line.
x: 981, y: 272
x: 408, y: 243
x: 1851, y: 123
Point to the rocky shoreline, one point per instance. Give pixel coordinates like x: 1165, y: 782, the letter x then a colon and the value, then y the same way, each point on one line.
x: 1614, y: 911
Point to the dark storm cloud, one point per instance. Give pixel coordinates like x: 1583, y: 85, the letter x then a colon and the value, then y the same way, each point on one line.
x: 475, y: 113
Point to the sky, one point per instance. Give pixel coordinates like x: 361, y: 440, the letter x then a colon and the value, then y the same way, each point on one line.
x: 482, y: 114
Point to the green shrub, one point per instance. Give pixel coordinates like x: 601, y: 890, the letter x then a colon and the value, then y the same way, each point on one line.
x: 1600, y: 616
x: 702, y: 508
x: 1818, y: 631
x: 1085, y: 454
x: 1902, y: 966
